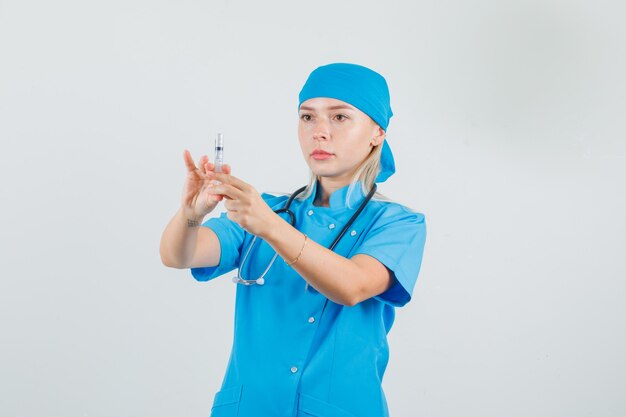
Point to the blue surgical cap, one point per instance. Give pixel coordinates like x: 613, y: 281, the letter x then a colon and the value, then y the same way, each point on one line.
x: 361, y: 87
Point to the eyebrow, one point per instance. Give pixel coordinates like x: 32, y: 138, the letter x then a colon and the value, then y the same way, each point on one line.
x: 337, y: 107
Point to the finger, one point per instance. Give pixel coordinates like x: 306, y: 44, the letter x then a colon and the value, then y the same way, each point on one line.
x: 230, y: 179
x: 235, y: 204
x: 202, y: 164
x: 208, y: 166
x: 225, y: 169
x: 226, y: 190
x: 230, y: 205
x: 206, y: 190
x: 215, y: 197
x: 189, y: 161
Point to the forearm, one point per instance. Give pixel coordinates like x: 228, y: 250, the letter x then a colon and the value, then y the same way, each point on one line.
x: 179, y: 239
x: 333, y: 275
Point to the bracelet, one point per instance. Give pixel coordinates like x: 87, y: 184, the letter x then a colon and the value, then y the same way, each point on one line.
x: 301, y: 250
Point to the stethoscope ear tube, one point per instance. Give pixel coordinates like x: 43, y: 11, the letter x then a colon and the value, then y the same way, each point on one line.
x: 291, y: 197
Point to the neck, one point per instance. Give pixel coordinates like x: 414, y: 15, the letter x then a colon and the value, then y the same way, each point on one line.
x: 325, y: 187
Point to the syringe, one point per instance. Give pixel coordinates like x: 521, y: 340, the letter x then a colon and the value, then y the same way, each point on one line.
x: 219, y: 152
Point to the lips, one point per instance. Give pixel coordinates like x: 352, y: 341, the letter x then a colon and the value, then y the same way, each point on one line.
x: 320, y: 155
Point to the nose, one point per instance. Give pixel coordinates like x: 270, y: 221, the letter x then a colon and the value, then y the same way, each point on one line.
x: 321, y: 131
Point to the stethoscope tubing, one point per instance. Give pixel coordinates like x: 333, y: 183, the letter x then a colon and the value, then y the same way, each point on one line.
x: 292, y: 220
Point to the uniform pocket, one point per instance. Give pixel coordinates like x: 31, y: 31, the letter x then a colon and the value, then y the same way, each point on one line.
x: 310, y: 406
x: 226, y: 402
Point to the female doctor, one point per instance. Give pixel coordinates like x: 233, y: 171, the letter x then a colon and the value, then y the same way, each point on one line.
x: 310, y: 331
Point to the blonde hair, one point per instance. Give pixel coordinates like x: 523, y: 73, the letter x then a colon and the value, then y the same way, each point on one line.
x: 365, y: 176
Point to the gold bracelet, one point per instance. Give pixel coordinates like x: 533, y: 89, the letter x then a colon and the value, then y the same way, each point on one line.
x: 301, y: 250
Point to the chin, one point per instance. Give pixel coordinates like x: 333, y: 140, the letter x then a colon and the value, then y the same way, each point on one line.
x: 326, y: 174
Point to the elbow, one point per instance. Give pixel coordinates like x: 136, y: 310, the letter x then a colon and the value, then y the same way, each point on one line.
x: 173, y: 265
x: 353, y: 294
x: 165, y: 260
x: 163, y: 254
x: 350, y: 302
x: 351, y: 298
x: 344, y: 299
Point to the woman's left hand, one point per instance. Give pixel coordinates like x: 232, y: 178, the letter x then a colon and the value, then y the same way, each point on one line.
x: 245, y: 205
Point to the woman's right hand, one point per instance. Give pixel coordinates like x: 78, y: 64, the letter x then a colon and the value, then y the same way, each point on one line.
x: 196, y: 201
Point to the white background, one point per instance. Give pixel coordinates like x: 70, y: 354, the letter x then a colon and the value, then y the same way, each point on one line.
x: 509, y: 135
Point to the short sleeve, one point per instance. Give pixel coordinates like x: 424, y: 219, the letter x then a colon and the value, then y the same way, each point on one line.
x: 231, y: 237
x: 397, y: 240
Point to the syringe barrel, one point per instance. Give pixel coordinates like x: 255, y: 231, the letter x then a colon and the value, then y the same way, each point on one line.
x: 219, y: 152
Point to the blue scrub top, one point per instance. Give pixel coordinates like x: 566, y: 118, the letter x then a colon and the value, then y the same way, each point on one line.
x: 295, y: 352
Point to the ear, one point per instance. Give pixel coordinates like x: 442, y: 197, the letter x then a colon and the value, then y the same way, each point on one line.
x: 379, y: 136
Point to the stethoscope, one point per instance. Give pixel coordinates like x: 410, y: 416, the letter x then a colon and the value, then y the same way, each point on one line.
x: 292, y: 220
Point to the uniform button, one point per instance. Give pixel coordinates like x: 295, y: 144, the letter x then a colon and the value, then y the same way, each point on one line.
x: 310, y: 212
x: 353, y: 233
x: 311, y: 319
x: 331, y: 226
x: 294, y: 369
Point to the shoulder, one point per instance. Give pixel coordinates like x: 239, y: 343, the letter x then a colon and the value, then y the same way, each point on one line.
x: 386, y: 212
x: 396, y: 238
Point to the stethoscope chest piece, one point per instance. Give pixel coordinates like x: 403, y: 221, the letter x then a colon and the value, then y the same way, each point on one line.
x: 258, y: 281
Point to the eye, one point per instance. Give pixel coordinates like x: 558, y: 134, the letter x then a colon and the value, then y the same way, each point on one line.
x: 305, y: 117
x: 341, y: 117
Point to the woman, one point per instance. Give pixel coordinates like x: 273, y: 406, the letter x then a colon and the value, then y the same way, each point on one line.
x: 310, y: 336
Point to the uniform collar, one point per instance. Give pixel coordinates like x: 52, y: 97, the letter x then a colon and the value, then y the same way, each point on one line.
x: 338, y: 198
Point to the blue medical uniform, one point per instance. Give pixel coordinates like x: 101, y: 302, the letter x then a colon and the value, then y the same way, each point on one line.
x: 295, y: 352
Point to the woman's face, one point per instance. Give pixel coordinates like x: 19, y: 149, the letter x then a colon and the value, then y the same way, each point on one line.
x: 336, y: 137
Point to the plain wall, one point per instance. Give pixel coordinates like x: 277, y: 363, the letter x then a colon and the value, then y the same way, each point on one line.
x: 509, y: 135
